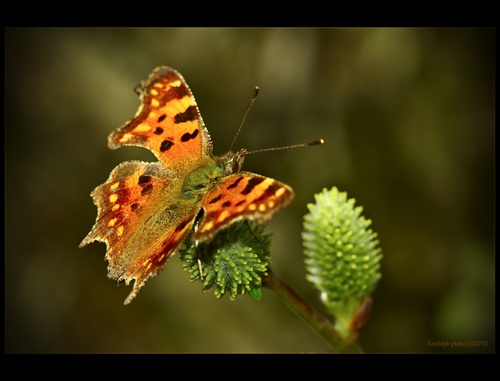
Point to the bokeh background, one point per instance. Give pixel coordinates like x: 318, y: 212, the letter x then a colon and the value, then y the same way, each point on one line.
x: 408, y: 120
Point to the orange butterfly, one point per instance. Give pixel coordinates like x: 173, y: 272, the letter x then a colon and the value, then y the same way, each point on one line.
x: 146, y: 210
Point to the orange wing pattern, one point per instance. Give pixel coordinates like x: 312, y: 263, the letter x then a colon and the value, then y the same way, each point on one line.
x: 241, y: 195
x: 168, y: 123
x: 140, y: 236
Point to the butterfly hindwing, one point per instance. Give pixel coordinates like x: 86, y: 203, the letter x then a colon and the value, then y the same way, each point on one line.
x: 140, y: 237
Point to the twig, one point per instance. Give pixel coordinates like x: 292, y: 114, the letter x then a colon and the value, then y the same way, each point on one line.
x: 316, y: 321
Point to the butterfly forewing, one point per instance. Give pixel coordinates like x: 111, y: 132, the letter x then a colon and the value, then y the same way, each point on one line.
x: 242, y: 195
x: 168, y: 122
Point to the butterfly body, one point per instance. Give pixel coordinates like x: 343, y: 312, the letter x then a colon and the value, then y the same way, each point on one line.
x: 146, y: 210
x: 202, y: 178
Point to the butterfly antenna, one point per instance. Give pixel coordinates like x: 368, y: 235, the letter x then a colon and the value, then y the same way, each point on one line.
x: 252, y: 100
x: 313, y: 143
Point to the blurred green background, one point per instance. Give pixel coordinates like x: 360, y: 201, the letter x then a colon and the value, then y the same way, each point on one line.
x: 408, y: 120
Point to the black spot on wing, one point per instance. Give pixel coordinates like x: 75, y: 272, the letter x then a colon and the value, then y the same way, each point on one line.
x: 215, y: 199
x: 147, y: 190
x: 252, y: 183
x: 144, y: 179
x: 189, y: 115
x: 165, y: 145
x: 187, y: 136
x: 235, y: 184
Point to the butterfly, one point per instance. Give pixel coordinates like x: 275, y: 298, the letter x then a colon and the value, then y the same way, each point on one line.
x: 145, y: 210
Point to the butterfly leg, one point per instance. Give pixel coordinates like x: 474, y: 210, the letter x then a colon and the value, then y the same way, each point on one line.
x: 195, y: 228
x: 250, y: 230
x: 199, y: 267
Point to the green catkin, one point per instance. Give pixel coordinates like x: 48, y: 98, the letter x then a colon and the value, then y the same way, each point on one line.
x: 342, y: 257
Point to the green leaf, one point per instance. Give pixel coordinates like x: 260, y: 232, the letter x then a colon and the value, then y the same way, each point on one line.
x: 234, y: 262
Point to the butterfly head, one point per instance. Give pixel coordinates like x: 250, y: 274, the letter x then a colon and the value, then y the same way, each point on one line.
x: 232, y: 162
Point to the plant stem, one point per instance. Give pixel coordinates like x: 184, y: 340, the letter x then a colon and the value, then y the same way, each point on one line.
x: 316, y: 321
